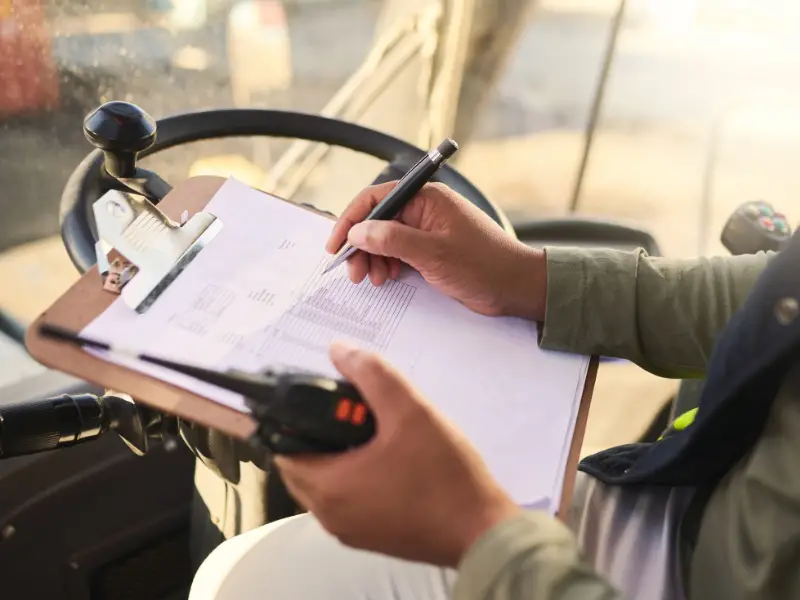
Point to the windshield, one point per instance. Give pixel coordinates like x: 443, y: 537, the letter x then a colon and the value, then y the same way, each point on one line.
x: 697, y: 114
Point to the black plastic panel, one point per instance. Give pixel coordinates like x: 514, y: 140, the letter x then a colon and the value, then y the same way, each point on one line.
x: 66, y: 515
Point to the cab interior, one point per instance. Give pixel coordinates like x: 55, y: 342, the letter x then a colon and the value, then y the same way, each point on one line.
x: 608, y: 123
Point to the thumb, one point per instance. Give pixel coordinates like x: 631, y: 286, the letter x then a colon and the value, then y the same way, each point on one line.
x: 383, y: 388
x: 396, y: 240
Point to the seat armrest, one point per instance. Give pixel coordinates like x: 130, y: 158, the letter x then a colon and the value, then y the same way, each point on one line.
x: 573, y: 231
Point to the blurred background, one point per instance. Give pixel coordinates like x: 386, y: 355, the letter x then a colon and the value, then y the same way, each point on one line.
x: 698, y: 114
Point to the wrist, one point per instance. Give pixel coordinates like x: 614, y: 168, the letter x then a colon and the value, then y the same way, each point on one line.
x: 479, y: 522
x: 528, y: 279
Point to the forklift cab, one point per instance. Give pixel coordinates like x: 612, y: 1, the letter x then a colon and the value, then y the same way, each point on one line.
x: 98, y: 521
x: 96, y: 487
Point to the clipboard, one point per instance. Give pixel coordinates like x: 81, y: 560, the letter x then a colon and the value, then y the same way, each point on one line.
x: 86, y: 299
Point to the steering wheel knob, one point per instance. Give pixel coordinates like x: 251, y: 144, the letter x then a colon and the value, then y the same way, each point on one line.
x: 121, y: 130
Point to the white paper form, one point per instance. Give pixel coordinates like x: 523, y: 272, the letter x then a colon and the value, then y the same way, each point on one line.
x: 256, y: 298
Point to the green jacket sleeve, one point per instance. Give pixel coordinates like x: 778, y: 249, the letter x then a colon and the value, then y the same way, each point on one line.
x: 529, y: 556
x: 663, y: 314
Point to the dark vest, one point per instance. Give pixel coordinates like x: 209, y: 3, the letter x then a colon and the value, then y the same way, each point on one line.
x: 747, y: 368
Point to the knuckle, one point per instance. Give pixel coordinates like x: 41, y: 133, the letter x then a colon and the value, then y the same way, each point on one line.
x: 332, y: 527
x: 361, y: 199
x: 374, y: 238
x: 366, y: 199
x: 331, y: 524
x: 439, y: 251
x: 372, y: 191
x: 328, y: 500
x: 387, y: 237
x: 340, y: 531
x: 437, y: 187
x: 445, y: 200
x: 441, y: 192
x: 376, y: 192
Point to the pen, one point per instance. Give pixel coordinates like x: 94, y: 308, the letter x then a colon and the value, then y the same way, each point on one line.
x: 408, y: 187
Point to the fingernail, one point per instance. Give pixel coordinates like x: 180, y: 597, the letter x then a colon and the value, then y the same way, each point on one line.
x: 343, y: 350
x: 357, y: 235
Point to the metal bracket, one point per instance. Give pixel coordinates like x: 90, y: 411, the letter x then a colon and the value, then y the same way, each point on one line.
x: 154, y: 248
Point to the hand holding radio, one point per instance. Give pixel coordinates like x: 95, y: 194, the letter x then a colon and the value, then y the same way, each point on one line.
x: 417, y: 490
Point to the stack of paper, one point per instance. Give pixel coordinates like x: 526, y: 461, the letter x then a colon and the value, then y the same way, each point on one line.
x: 256, y: 298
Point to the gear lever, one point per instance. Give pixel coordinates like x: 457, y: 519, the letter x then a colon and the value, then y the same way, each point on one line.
x: 122, y: 130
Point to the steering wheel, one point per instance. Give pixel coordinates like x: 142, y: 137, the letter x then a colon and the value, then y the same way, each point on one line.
x: 121, y: 132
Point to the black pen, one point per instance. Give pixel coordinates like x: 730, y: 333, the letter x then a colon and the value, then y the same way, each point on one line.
x: 408, y: 187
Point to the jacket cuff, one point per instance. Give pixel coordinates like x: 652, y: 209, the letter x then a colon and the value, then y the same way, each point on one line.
x: 497, y: 550
x: 582, y: 284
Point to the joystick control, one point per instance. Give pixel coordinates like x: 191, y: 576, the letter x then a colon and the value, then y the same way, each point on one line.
x: 756, y: 227
x: 122, y: 130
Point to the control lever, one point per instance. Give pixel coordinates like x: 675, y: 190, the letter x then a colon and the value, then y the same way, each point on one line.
x: 122, y: 130
x: 67, y: 420
x: 755, y: 227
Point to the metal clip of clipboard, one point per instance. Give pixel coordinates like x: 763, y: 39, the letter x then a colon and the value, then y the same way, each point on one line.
x: 154, y: 248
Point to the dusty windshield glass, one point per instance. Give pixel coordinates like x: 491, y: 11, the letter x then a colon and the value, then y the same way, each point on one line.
x: 168, y: 57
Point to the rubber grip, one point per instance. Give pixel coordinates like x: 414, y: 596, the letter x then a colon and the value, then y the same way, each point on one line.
x: 30, y: 427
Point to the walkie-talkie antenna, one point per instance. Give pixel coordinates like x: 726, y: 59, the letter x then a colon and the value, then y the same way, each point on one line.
x: 241, y: 383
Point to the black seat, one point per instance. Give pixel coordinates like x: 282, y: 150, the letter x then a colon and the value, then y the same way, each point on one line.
x: 585, y: 232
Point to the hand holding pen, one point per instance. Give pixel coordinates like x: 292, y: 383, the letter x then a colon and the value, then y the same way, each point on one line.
x: 401, y: 194
x: 456, y: 247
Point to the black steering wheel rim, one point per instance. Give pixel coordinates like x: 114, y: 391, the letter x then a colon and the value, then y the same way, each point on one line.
x: 89, y: 181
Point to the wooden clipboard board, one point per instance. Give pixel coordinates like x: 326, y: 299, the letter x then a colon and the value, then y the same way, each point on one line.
x: 86, y: 299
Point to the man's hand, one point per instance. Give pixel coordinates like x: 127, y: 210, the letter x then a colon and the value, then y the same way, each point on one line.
x: 417, y: 490
x: 454, y: 245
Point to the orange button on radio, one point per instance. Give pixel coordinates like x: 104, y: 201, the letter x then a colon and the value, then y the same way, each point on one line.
x: 359, y: 414
x: 343, y: 409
